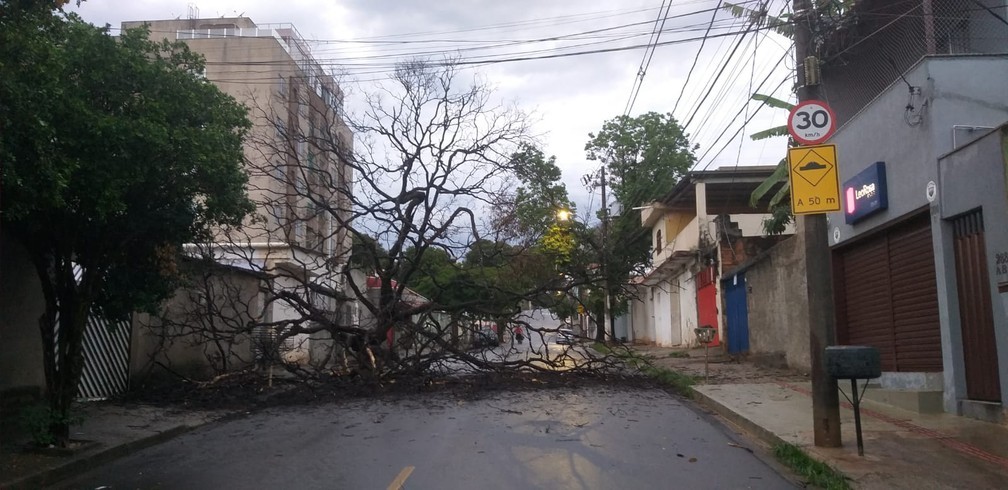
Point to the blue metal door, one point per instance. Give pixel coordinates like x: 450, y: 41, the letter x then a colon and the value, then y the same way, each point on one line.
x: 737, y: 311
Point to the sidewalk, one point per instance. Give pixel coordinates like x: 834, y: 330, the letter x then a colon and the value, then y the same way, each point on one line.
x: 118, y: 429
x: 903, y: 449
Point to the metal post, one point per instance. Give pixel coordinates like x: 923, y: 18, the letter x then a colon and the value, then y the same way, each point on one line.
x: 706, y: 359
x: 819, y: 289
x: 857, y: 416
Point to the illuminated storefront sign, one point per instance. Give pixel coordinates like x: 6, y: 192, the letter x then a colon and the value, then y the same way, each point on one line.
x: 865, y: 193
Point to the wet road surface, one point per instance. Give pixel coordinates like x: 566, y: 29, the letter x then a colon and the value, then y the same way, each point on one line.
x: 596, y: 438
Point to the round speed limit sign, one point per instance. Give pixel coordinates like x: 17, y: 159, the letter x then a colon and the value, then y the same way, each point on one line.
x: 811, y: 122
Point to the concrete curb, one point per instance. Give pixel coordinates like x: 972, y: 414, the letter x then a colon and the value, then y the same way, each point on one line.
x: 755, y: 429
x: 79, y: 465
x: 736, y: 418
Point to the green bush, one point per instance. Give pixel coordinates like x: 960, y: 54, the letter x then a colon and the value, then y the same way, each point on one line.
x: 39, y: 419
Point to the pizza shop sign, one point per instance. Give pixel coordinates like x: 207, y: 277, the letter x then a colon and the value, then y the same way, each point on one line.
x: 865, y: 194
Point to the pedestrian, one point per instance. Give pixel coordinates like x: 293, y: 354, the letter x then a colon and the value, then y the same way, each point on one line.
x: 519, y: 333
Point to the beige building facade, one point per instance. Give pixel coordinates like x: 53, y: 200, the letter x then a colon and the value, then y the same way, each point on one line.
x: 295, y: 158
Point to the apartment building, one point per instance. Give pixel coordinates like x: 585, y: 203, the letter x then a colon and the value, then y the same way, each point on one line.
x: 295, y: 156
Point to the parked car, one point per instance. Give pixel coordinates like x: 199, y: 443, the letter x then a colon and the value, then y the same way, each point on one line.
x: 565, y: 336
x: 485, y: 338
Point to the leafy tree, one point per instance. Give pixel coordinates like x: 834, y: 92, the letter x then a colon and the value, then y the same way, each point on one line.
x: 533, y: 207
x: 114, y: 155
x: 437, y: 275
x: 366, y: 253
x: 645, y: 157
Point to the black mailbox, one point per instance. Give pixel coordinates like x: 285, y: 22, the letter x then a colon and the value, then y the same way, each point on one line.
x: 853, y: 362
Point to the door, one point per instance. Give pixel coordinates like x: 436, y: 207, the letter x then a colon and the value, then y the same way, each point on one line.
x: 975, y: 314
x: 887, y: 296
x: 737, y: 313
x: 707, y: 310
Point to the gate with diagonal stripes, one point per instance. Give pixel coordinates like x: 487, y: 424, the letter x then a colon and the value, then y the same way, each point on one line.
x: 106, y: 358
x: 106, y: 351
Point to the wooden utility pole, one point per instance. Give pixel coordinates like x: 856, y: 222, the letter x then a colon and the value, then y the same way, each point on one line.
x: 818, y: 269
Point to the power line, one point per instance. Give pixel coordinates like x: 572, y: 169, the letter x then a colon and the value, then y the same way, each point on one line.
x: 720, y: 72
x: 648, y: 55
x: 697, y: 57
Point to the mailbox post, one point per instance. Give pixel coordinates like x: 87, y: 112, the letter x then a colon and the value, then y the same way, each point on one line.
x: 854, y: 362
x: 705, y: 335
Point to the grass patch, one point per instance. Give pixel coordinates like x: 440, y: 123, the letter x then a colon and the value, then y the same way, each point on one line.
x: 681, y: 383
x: 678, y: 382
x: 679, y: 354
x: 814, y: 472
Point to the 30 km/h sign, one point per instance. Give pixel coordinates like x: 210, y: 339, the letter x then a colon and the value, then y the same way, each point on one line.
x: 815, y: 182
x: 811, y: 122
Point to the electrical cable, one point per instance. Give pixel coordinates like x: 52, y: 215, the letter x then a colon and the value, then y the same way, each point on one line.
x: 696, y: 58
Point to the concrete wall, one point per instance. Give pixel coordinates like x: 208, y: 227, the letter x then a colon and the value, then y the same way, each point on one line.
x: 778, y: 310
x: 183, y: 338
x: 685, y: 283
x: 641, y: 317
x: 958, y: 91
x: 974, y: 177
x: 21, y: 305
x: 663, y: 315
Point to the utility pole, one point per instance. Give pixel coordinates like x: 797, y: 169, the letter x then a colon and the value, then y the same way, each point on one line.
x: 605, y: 252
x: 818, y: 269
x: 590, y: 180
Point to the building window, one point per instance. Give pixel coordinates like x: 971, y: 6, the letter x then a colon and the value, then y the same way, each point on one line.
x: 281, y: 127
x: 658, y: 242
x: 279, y: 173
x: 282, y: 89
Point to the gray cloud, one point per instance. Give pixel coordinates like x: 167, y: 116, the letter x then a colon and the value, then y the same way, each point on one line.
x: 570, y: 96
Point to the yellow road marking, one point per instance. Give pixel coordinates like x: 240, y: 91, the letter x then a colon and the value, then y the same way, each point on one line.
x: 400, y: 480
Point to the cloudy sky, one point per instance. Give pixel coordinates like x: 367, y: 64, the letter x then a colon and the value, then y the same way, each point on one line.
x: 569, y: 94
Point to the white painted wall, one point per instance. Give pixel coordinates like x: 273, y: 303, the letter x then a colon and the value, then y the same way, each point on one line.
x: 676, y: 337
x: 687, y: 307
x: 295, y: 349
x: 663, y: 321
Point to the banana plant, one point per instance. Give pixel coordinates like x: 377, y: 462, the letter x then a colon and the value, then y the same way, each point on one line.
x: 835, y: 12
x: 780, y: 211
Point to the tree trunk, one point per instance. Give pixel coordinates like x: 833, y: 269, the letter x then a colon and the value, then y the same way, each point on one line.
x: 64, y: 363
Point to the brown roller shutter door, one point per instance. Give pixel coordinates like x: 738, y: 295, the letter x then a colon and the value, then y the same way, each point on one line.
x: 887, y: 296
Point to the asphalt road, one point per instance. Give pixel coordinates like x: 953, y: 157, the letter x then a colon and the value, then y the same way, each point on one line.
x: 595, y: 438
x: 539, y: 343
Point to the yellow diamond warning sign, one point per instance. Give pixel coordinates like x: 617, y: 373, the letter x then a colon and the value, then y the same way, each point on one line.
x: 815, y: 182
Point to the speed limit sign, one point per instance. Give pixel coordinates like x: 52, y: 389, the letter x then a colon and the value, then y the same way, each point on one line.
x: 811, y: 122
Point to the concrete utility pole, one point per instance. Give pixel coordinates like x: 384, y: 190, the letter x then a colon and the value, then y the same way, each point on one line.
x: 589, y: 179
x: 605, y: 254
x: 818, y: 269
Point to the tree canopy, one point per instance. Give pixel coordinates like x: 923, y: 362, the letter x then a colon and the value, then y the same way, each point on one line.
x: 114, y: 155
x: 645, y: 157
x: 530, y: 211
